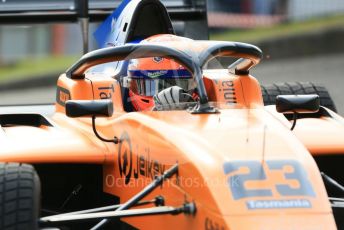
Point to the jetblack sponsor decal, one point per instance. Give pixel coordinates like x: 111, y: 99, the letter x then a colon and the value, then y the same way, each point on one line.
x: 125, y: 157
x: 62, y: 95
x: 147, y: 167
x: 291, y: 170
x: 227, y: 87
x: 131, y: 167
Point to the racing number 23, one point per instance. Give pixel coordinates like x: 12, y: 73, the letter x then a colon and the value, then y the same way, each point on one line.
x: 256, y: 173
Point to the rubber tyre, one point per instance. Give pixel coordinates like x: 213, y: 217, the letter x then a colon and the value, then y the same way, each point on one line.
x: 270, y: 92
x: 19, y: 197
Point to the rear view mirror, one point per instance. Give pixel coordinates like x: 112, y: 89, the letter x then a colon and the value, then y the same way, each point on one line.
x: 82, y: 108
x: 297, y: 103
x: 92, y: 108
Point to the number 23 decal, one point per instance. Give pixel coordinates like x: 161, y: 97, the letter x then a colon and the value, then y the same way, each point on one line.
x: 257, y: 173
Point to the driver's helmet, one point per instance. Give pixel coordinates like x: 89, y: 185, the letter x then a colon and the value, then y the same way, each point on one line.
x: 148, y: 76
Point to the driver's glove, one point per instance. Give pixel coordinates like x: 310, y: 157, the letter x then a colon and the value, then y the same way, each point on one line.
x: 172, y: 98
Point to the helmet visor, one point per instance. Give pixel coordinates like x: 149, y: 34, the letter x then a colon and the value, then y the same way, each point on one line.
x: 150, y: 82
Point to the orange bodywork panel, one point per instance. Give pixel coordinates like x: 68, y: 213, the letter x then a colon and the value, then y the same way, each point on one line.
x: 223, y: 87
x: 46, y: 144
x: 66, y: 140
x: 68, y: 89
x: 214, y: 156
x: 93, y: 87
x: 321, y: 136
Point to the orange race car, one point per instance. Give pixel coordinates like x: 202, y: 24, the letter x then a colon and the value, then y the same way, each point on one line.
x: 167, y: 142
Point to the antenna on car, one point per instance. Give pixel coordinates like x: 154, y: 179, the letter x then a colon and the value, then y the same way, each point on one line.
x: 81, y: 7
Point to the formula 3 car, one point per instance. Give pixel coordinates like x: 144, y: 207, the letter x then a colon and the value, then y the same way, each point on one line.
x: 226, y: 161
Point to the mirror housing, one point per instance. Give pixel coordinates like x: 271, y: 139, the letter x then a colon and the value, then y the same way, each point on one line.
x: 298, y: 103
x: 89, y: 108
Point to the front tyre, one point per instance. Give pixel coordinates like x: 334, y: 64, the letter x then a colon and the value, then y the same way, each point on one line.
x: 19, y: 197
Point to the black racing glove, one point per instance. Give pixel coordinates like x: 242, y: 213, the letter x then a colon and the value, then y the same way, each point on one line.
x: 172, y: 98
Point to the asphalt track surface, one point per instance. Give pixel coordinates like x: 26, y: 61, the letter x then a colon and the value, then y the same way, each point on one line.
x: 327, y: 70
